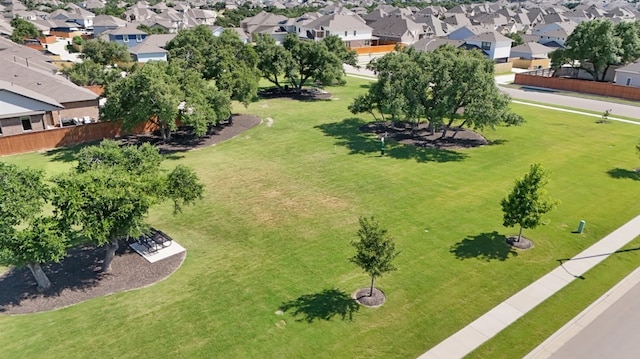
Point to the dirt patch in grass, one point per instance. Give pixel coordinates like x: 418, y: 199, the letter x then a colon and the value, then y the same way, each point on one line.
x: 78, y: 278
x: 368, y: 299
x: 422, y: 136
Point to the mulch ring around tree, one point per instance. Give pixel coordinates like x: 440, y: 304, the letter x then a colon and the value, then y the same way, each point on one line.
x: 289, y: 93
x: 78, y: 278
x: 184, y: 139
x: 374, y: 300
x: 422, y: 137
x: 522, y: 244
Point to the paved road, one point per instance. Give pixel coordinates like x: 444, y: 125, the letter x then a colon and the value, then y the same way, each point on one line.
x: 544, y: 96
x: 614, y: 334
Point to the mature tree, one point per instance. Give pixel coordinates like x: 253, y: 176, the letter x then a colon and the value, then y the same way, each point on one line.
x: 111, y: 190
x: 527, y: 202
x: 23, y: 29
x: 312, y: 61
x: 375, y: 249
x: 27, y: 238
x: 437, y: 86
x: 224, y: 59
x: 516, y: 37
x: 105, y: 52
x: 273, y: 60
x: 163, y: 93
x: 335, y: 45
x: 87, y: 73
x: 598, y: 44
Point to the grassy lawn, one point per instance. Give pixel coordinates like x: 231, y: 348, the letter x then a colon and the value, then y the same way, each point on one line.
x: 281, y: 205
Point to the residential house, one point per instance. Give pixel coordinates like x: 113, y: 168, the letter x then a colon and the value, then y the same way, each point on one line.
x: 202, y: 17
x: 396, y: 29
x: 102, y: 23
x: 352, y: 29
x: 23, y: 110
x: 530, y: 51
x: 554, y: 34
x: 127, y: 35
x: 434, y: 26
x: 265, y: 23
x: 58, y: 98
x: 431, y: 43
x: 496, y: 46
x: 628, y: 75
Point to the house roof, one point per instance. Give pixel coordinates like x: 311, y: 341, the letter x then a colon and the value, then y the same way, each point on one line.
x: 632, y: 68
x: 339, y: 22
x: 147, y: 48
x: 532, y: 48
x: 12, y: 87
x: 127, y: 30
x: 108, y: 20
x: 159, y: 40
x: 490, y: 36
x: 42, y: 81
x: 395, y: 26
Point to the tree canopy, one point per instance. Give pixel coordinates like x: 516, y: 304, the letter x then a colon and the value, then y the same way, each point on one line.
x: 375, y: 249
x: 414, y: 85
x: 224, y: 59
x: 105, y: 52
x: 108, y: 195
x: 527, y: 202
x: 23, y: 29
x: 164, y: 93
x: 87, y: 73
x: 596, y: 45
x: 27, y: 237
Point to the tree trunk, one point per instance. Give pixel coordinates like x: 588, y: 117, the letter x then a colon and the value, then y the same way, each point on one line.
x: 519, y: 234
x: 371, y: 290
x: 458, y: 129
x: 39, y: 275
x: 112, y: 247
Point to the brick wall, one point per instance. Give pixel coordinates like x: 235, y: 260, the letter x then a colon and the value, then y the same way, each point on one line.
x: 581, y: 86
x: 80, y: 109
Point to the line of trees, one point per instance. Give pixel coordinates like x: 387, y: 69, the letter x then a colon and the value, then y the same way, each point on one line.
x: 436, y: 87
x: 104, y: 199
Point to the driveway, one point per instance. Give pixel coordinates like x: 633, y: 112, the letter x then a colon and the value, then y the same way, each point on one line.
x: 60, y: 48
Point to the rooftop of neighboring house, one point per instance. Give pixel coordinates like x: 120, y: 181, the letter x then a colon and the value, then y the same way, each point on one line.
x: 7, y: 86
x: 339, y: 22
x: 490, y: 36
x: 633, y: 68
x: 42, y: 81
x: 146, y: 48
x: 432, y: 43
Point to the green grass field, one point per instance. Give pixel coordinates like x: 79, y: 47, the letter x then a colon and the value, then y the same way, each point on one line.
x: 281, y: 206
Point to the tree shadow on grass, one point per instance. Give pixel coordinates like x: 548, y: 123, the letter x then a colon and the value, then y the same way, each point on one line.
x: 67, y: 154
x: 322, y: 306
x: 348, y: 134
x: 484, y: 246
x: 621, y: 173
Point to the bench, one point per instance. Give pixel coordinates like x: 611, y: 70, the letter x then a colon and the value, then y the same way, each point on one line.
x: 155, y: 240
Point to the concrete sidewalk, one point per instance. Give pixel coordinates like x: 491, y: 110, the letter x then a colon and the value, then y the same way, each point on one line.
x: 491, y: 323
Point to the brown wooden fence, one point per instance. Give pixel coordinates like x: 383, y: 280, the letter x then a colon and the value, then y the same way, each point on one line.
x: 582, y: 86
x: 66, y: 136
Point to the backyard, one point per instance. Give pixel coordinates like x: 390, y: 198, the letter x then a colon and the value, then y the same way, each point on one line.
x: 282, y: 202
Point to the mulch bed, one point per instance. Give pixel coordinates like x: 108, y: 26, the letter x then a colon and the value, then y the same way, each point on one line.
x: 375, y: 300
x: 78, y: 278
x: 304, y: 95
x: 422, y: 136
x: 184, y: 139
x: 522, y: 244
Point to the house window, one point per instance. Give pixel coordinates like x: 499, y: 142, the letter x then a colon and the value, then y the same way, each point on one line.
x: 367, y: 43
x: 0, y: 130
x: 354, y: 32
x: 628, y: 84
x: 486, y: 45
x: 26, y: 123
x: 138, y: 38
x: 299, y: 30
x: 345, y: 33
x: 125, y: 38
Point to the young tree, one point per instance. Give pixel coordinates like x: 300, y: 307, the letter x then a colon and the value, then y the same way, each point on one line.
x: 527, y: 202
x: 375, y: 249
x: 23, y: 29
x: 109, y: 193
x: 26, y: 237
